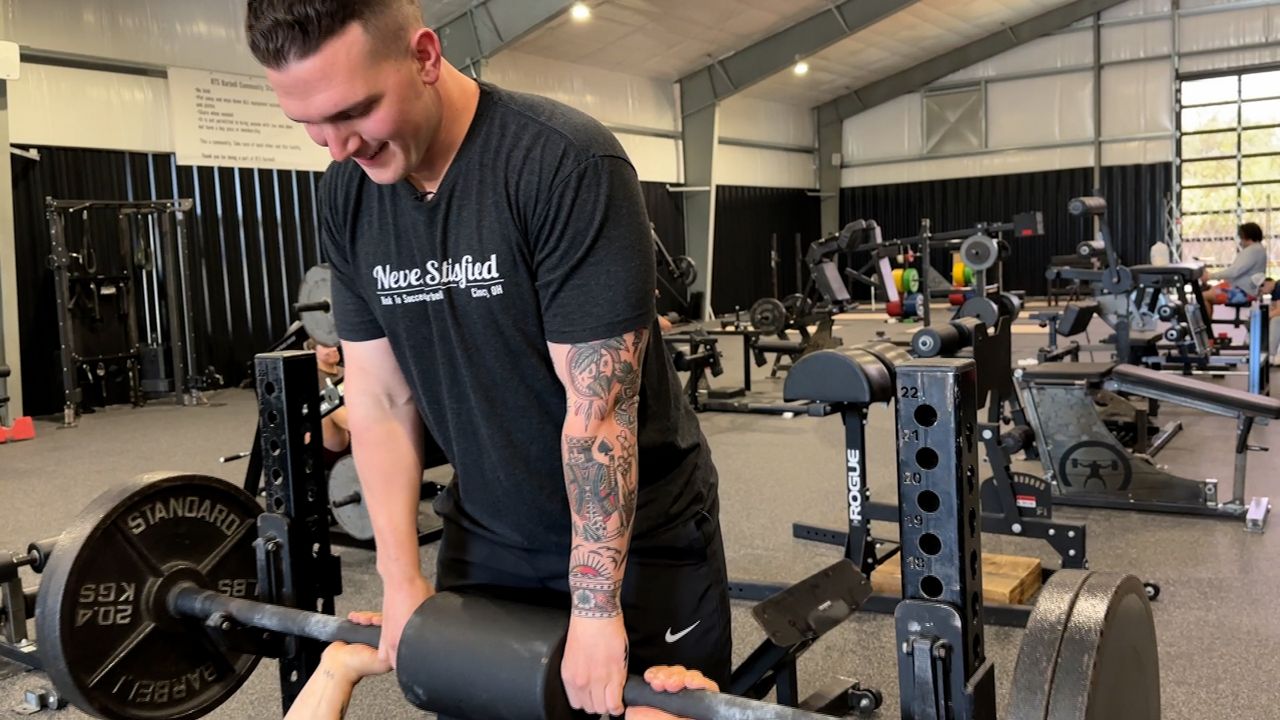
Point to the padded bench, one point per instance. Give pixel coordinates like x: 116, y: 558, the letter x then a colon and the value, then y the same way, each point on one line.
x: 1068, y: 372
x: 1144, y: 381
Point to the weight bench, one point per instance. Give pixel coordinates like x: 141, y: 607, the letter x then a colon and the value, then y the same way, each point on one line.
x: 1087, y: 464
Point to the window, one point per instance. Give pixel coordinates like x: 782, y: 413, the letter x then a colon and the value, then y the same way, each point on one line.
x: 1229, y: 163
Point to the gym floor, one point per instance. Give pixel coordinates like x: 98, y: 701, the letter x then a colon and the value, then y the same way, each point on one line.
x: 1213, y: 618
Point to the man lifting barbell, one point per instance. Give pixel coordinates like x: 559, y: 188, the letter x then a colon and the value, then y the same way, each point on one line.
x: 492, y: 273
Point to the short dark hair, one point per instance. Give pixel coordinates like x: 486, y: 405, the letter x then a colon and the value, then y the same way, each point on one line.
x: 1251, y: 231
x: 282, y: 31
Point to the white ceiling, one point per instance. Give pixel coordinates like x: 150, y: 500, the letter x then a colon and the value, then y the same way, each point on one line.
x: 663, y: 39
x: 922, y: 31
x: 436, y: 12
x: 667, y: 39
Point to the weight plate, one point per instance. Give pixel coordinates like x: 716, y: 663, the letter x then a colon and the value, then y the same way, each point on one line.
x: 911, y: 280
x: 107, y: 640
x: 957, y: 274
x: 1108, y: 666
x: 982, y: 308
x: 686, y: 269
x: 968, y: 276
x: 797, y: 306
x: 319, y: 323
x: 344, y: 485
x: 1010, y: 305
x: 1037, y: 661
x: 769, y: 316
x: 979, y: 252
x: 897, y: 279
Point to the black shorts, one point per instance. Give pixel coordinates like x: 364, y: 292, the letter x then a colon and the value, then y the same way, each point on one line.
x: 675, y: 596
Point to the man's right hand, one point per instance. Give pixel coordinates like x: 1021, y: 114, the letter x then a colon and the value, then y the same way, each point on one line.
x: 399, y: 600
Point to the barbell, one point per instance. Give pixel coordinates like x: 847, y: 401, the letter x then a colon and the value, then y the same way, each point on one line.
x: 144, y: 591
x: 146, y: 611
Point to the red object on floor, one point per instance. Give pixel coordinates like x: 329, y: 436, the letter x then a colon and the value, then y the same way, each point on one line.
x: 23, y: 429
x: 4, y: 435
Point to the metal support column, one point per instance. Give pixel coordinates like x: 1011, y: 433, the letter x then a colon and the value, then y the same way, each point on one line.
x: 10, y: 349
x: 700, y: 135
x: 830, y: 162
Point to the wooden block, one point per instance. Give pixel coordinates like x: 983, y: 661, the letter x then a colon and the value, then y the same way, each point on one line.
x: 1006, y: 579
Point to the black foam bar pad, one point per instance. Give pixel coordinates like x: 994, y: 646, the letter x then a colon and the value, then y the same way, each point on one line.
x: 937, y: 341
x: 471, y: 656
x: 1017, y: 439
x: 4, y: 371
x: 1087, y: 206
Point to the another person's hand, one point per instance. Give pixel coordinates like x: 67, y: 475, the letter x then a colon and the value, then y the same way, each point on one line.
x: 594, y: 668
x: 669, y: 678
x: 353, y: 663
x: 399, y: 600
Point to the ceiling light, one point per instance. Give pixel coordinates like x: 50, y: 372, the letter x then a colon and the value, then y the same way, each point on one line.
x: 580, y: 12
x: 802, y: 68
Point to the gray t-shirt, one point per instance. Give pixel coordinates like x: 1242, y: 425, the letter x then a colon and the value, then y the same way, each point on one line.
x: 538, y: 232
x: 1249, y: 262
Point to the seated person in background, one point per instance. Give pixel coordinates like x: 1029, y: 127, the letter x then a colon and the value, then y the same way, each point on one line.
x: 328, y: 692
x: 337, y: 437
x: 1268, y: 287
x: 1238, y: 284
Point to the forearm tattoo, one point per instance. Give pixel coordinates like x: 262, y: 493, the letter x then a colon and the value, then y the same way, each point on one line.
x: 600, y: 468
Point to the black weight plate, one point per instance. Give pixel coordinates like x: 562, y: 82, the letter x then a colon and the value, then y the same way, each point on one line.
x: 1108, y: 668
x: 686, y: 269
x: 1010, y: 305
x: 1037, y: 661
x: 107, y: 641
x: 981, y: 308
x: 319, y: 323
x: 353, y: 518
x: 769, y: 316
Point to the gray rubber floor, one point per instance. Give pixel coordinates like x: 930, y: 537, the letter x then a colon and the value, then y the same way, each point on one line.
x: 1217, y: 618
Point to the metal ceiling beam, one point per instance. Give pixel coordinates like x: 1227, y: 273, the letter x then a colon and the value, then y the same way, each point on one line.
x: 490, y: 25
x: 745, y: 67
x: 920, y: 75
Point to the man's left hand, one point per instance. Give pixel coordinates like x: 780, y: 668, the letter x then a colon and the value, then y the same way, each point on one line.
x: 594, y: 669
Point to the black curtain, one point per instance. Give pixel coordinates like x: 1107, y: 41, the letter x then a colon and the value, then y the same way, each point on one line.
x: 251, y: 237
x: 666, y: 212
x: 1135, y: 200
x: 747, y: 221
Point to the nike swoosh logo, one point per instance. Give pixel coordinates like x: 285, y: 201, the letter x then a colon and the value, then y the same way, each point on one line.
x: 674, y: 637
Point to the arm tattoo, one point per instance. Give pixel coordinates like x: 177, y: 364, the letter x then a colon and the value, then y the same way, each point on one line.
x: 600, y: 468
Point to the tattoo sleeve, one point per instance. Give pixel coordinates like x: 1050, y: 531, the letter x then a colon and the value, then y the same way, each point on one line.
x: 602, y: 385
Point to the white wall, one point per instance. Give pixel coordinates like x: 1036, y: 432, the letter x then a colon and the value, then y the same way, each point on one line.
x: 623, y: 102
x: 765, y: 144
x: 1046, y: 122
x: 190, y: 33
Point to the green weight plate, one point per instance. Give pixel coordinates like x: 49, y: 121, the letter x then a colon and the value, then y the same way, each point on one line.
x: 319, y: 323
x: 107, y: 640
x: 911, y: 280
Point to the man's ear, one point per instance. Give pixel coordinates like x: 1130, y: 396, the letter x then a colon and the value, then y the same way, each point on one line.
x: 429, y: 54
